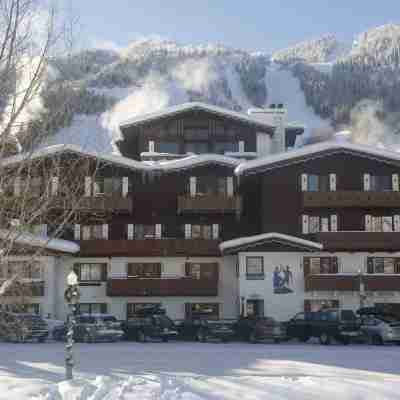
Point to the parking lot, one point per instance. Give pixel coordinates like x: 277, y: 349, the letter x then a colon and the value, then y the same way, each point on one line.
x: 208, y: 370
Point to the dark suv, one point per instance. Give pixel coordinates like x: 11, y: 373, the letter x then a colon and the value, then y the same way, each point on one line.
x: 326, y: 325
x: 18, y: 327
x: 149, y: 324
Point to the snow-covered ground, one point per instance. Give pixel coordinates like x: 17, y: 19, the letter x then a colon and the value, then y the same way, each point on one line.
x: 196, y: 371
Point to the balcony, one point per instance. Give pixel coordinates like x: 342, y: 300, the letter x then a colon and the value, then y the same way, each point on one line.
x: 210, y: 204
x: 359, y: 241
x: 349, y: 198
x: 116, y: 204
x: 161, y: 287
x: 378, y: 282
x: 150, y: 248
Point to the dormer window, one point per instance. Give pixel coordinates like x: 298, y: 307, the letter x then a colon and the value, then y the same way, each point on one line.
x: 318, y: 183
x: 385, y: 183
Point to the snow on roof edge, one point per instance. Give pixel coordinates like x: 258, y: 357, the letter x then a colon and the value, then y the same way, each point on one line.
x: 188, y: 106
x: 25, y: 238
x: 246, y: 240
x: 314, y: 149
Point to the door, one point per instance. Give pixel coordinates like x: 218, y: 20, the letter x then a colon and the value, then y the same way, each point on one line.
x: 255, y: 308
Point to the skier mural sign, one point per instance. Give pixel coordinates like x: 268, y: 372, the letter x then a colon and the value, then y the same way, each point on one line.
x: 282, y: 280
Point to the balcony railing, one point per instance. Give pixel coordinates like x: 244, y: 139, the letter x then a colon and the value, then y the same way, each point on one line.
x: 98, y: 203
x: 359, y: 241
x: 150, y: 248
x: 184, y: 286
x: 350, y: 198
x: 209, y: 204
x: 351, y: 282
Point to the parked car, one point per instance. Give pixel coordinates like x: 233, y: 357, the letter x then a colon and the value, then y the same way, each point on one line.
x: 204, y: 330
x: 18, y: 327
x: 256, y: 329
x: 149, y: 324
x: 379, y: 327
x: 90, y: 328
x: 326, y: 325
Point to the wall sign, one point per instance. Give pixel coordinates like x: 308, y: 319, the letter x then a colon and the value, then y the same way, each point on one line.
x: 282, y: 280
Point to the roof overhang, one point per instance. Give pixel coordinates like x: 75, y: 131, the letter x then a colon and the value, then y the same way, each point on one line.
x: 196, y: 106
x: 318, y: 150
x: 248, y: 242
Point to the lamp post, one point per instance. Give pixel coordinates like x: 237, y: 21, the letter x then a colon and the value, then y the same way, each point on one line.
x: 72, y: 298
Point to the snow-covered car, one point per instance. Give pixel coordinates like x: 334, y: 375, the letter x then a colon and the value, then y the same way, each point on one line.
x: 90, y: 328
x: 379, y: 328
x: 19, y: 327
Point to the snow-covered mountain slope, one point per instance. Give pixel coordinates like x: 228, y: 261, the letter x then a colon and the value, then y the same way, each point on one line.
x: 320, y: 82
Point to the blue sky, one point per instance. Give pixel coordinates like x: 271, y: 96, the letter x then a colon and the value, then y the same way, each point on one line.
x: 263, y: 25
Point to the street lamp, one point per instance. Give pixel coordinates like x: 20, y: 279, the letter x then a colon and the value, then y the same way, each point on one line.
x: 72, y: 298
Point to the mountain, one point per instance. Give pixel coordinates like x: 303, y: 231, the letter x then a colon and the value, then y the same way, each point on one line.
x: 324, y: 83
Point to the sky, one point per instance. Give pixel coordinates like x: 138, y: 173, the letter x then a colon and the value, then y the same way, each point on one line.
x: 261, y: 25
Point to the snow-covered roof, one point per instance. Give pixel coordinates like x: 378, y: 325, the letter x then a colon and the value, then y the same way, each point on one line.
x: 166, y: 112
x: 314, y: 151
x: 249, y: 241
x: 169, y: 165
x: 28, y: 239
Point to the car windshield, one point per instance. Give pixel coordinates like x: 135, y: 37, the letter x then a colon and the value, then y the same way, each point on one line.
x: 163, y: 321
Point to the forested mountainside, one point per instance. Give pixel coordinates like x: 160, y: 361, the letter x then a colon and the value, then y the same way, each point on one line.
x: 323, y: 82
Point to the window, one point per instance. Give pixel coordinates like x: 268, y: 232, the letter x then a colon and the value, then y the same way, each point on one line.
x: 383, y: 265
x: 320, y: 304
x: 224, y: 147
x: 25, y: 269
x: 316, y: 223
x: 145, y: 231
x: 255, y: 268
x: 211, y: 185
x: 92, y: 232
x: 202, y: 310
x: 201, y: 231
x: 386, y: 223
x: 168, y: 147
x: 196, y: 147
x: 201, y: 270
x: 380, y: 183
x: 317, y: 183
x: 133, y: 308
x: 321, y: 265
x: 91, y: 272
x: 107, y: 186
x: 92, y: 308
x: 144, y: 270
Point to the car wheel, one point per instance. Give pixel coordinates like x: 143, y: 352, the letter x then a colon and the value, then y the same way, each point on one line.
x: 252, y: 338
x: 142, y: 337
x: 324, y: 338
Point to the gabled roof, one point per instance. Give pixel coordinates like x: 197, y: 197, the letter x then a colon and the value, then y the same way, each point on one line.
x: 28, y: 239
x: 247, y: 242
x: 162, y: 166
x: 317, y: 150
x: 193, y: 106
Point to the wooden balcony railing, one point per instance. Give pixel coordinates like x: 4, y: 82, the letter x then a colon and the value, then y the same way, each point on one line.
x: 184, y: 286
x: 350, y: 198
x: 209, y: 204
x: 342, y: 282
x: 99, y: 203
x: 150, y: 248
x: 359, y: 241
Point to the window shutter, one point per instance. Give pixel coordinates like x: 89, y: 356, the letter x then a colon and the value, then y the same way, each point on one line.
x: 395, y: 182
x: 324, y: 224
x: 229, y: 186
x: 85, y: 232
x: 104, y: 272
x: 77, y: 232
x: 367, y: 182
x: 396, y: 222
x: 188, y: 310
x: 125, y: 186
x: 305, y: 224
x: 192, y: 184
x: 88, y: 186
x: 188, y: 231
x: 334, y: 266
x: 332, y: 182
x: 215, y: 231
x: 334, y: 223
x: 370, y: 265
x: 17, y: 186
x: 158, y: 231
x: 105, y: 231
x: 368, y: 223
x: 54, y: 185
x: 151, y: 146
x: 306, y: 266
x: 241, y: 146
x: 304, y: 182
x: 130, y: 231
